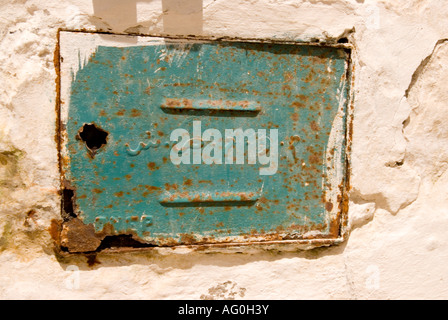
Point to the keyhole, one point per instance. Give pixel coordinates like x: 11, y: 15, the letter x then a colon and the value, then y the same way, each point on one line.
x: 93, y: 136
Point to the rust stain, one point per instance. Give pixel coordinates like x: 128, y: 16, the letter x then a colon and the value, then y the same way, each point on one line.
x: 78, y: 237
x: 135, y: 113
x: 314, y: 126
x: 152, y: 188
x: 187, y: 238
x: 55, y: 229
x: 57, y: 67
x: 151, y: 165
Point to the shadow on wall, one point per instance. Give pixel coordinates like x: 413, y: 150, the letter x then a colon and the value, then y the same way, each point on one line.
x: 179, y: 17
x: 167, y: 261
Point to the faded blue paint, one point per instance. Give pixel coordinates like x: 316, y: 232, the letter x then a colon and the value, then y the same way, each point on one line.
x: 127, y: 91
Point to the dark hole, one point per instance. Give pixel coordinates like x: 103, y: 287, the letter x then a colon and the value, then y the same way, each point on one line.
x: 343, y: 40
x: 94, y: 137
x: 67, y: 202
x: 124, y: 240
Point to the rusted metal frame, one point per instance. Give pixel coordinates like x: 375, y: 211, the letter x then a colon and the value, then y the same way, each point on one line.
x: 343, y: 205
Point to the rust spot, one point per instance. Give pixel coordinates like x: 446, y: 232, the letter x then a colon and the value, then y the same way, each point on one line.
x: 263, y: 200
x: 169, y: 187
x: 152, y: 188
x: 55, y: 230
x: 151, y: 165
x: 295, y: 117
x: 78, y: 237
x: 314, y: 126
x: 187, y: 238
x: 175, y: 103
x: 135, y: 113
x: 314, y: 158
x: 329, y: 206
x: 119, y: 194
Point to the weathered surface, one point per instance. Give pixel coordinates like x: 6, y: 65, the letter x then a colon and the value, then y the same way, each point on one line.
x: 260, y: 148
x: 397, y: 204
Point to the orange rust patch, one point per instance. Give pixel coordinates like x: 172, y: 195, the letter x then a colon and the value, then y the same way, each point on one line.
x: 55, y: 230
x: 151, y: 165
x: 295, y: 117
x: 169, y: 187
x: 152, y: 188
x: 314, y: 126
x: 135, y: 113
x: 314, y: 158
x: 187, y: 238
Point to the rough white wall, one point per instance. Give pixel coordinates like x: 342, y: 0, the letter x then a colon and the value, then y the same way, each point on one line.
x: 399, y: 198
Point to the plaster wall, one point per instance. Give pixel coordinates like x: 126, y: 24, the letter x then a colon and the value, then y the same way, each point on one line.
x: 398, y: 201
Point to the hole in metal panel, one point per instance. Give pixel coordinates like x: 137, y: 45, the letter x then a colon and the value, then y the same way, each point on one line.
x: 93, y: 136
x: 67, y: 202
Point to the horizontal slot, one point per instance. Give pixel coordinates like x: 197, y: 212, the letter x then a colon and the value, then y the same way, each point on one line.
x: 211, y: 105
x: 209, y: 198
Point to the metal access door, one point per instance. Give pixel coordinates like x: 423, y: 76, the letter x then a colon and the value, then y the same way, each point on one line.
x: 180, y: 141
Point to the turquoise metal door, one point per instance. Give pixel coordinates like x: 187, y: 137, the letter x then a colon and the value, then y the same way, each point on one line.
x: 204, y: 142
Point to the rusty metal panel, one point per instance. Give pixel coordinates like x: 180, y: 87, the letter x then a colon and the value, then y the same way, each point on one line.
x: 187, y: 141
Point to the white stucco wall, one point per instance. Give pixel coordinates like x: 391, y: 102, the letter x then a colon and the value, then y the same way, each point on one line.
x: 398, y: 209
